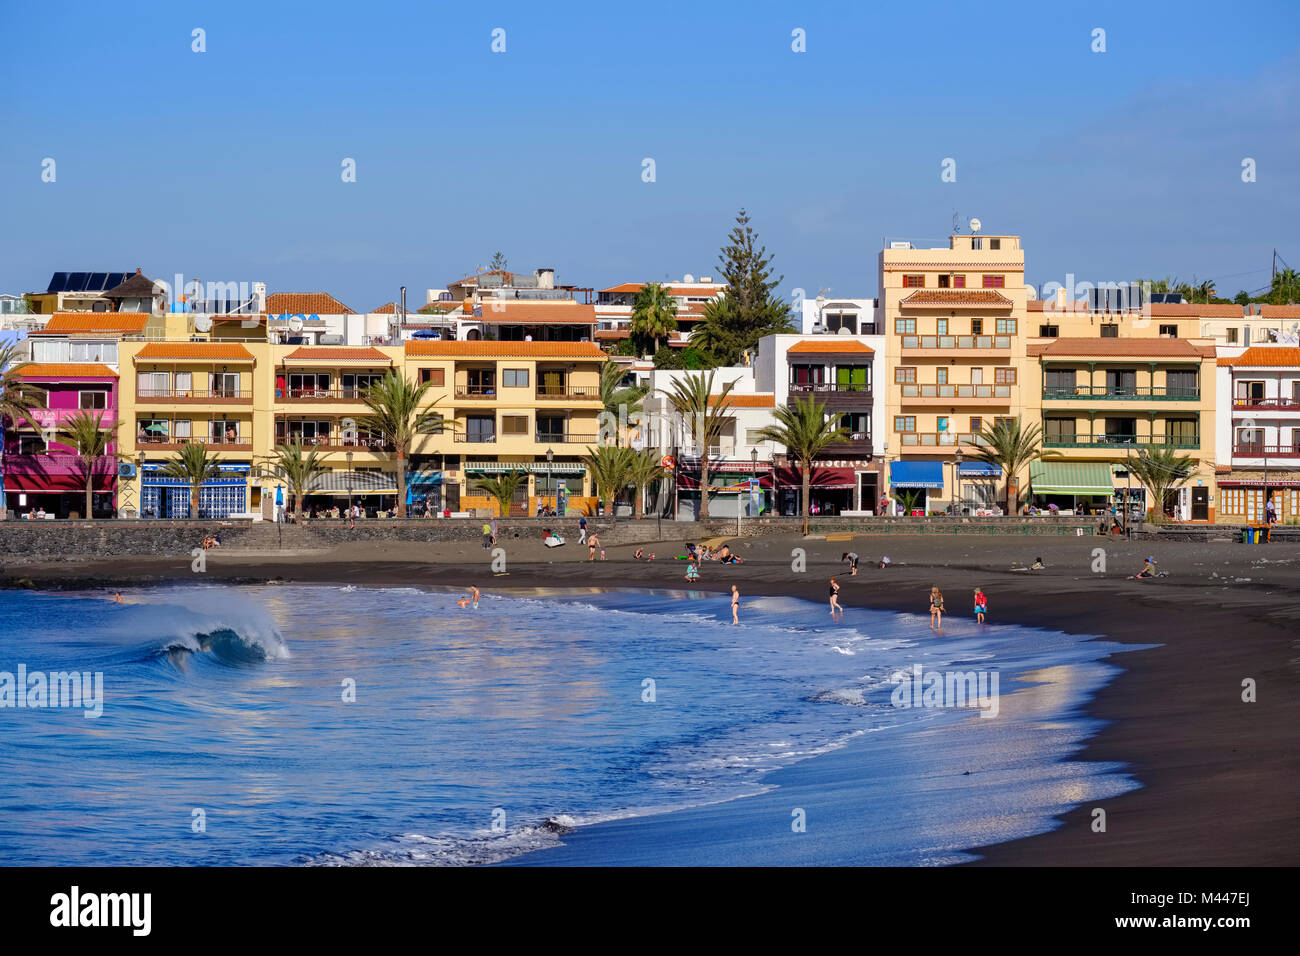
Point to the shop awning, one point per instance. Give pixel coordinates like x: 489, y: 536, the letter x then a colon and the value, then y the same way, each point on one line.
x: 1070, y: 478
x: 725, y: 482
x: 916, y: 474
x: 56, y: 484
x: 819, y: 478
x: 979, y: 469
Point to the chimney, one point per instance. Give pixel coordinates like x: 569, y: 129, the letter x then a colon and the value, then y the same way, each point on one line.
x: 259, y: 296
x: 545, y: 278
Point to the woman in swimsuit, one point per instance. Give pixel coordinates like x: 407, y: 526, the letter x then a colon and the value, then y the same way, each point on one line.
x: 835, y: 598
x: 981, y: 605
x: 936, y: 608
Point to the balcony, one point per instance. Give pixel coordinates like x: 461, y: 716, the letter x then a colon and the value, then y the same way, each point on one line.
x: 856, y: 445
x: 1267, y: 404
x: 979, y: 346
x: 465, y: 438
x: 834, y: 396
x: 196, y: 396
x: 578, y: 392
x: 913, y: 394
x: 172, y: 443
x: 1266, y: 451
x: 565, y: 438
x: 1120, y: 441
x: 480, y: 392
x: 321, y: 394
x: 951, y: 440
x: 1107, y: 393
x: 337, y: 442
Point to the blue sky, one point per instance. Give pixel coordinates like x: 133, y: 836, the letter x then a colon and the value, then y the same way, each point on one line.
x: 226, y: 164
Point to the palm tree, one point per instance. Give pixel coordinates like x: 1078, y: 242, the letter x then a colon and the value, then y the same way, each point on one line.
x: 805, y: 431
x: 1012, y: 448
x: 610, y: 467
x: 615, y: 396
x: 193, y: 464
x: 1161, y: 469
x: 654, y: 314
x: 88, y: 435
x: 17, y: 398
x: 297, y: 470
x: 646, y: 468
x: 396, y: 414
x: 704, y: 414
x: 502, y: 488
x: 710, y: 334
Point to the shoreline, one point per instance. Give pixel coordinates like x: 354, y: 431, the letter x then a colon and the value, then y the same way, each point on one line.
x: 1173, y: 716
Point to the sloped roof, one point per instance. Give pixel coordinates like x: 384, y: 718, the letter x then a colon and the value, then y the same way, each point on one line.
x: 525, y: 312
x: 336, y: 353
x: 1101, y: 348
x: 138, y: 286
x: 966, y: 297
x: 745, y: 401
x: 200, y: 351
x: 94, y: 323
x: 1265, y: 356
x: 436, y: 348
x: 321, y: 303
x: 66, y: 370
x: 830, y: 344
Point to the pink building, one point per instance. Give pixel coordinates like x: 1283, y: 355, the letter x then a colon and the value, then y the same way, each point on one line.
x: 40, y: 471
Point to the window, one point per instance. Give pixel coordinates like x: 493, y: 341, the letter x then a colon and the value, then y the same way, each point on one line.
x: 307, y: 385
x: 356, y: 384
x: 1058, y: 431
x: 1181, y: 383
x: 995, y: 282
x: 481, y: 381
x: 1005, y: 326
x: 1004, y: 375
x: 223, y: 431
x: 480, y: 428
x: 1109, y: 330
x: 514, y: 424
x: 959, y: 282
x: 151, y: 430
x: 904, y: 326
x: 93, y: 400
x: 1121, y: 381
x: 753, y: 436
x: 184, y: 383
x: 852, y: 378
x: 1182, y: 432
x: 914, y: 282
x: 1049, y: 331
x: 1169, y: 331
x: 153, y: 384
x: 1003, y: 420
x: 181, y: 429
x: 977, y: 242
x: 904, y: 374
x: 806, y: 377
x: 514, y: 378
x: 857, y: 424
x: 432, y: 376
x: 1059, y: 381
x: 838, y: 321
x: 942, y: 325
x: 904, y: 423
x: 944, y: 281
x: 976, y: 425
x: 941, y: 376
x: 1232, y: 336
x: 31, y: 445
x: 550, y: 428
x: 941, y: 423
x: 224, y: 384
x: 976, y: 375
x: 976, y: 326
x: 995, y: 244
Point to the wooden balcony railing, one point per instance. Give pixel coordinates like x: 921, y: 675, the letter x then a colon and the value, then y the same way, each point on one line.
x: 1155, y: 393
x: 568, y: 391
x: 1120, y: 441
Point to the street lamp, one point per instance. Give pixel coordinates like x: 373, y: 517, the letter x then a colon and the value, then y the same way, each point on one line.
x: 957, y: 480
x: 550, y: 480
x: 348, y: 456
x: 753, y: 456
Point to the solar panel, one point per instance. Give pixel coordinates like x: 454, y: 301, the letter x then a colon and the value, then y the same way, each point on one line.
x: 77, y: 281
x: 58, y: 283
x: 97, y: 280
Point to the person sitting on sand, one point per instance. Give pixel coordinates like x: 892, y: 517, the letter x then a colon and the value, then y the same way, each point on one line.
x: 726, y: 556
x: 1149, y: 570
x: 884, y: 562
x: 640, y: 553
x: 936, y: 607
x: 692, y: 570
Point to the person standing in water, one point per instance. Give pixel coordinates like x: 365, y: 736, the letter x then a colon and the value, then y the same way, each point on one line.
x: 835, y: 598
x: 936, y: 608
x: 735, y: 605
x: 981, y: 604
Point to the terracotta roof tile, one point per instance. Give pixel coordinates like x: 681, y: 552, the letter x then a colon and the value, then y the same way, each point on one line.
x: 746, y: 401
x: 1101, y: 348
x: 1264, y: 356
x: 200, y: 351
x: 336, y: 353
x: 95, y: 323
x: 831, y: 344
x: 437, y: 348
x: 66, y: 370
x: 676, y: 290
x: 514, y: 312
x: 957, y: 297
x: 1280, y: 311
x: 388, y: 308
x: 293, y: 303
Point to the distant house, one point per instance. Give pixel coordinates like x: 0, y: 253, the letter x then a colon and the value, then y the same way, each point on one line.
x: 78, y: 292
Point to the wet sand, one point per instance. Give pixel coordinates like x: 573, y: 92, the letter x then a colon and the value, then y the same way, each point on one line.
x: 1220, y: 777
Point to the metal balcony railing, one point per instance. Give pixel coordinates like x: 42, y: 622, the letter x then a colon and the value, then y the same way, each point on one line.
x: 1120, y: 441
x: 568, y: 391
x: 1156, y: 393
x: 216, y: 394
x: 565, y: 438
x: 956, y: 342
x: 956, y: 391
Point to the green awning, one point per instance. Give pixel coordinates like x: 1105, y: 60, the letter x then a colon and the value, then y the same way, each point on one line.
x: 1070, y: 478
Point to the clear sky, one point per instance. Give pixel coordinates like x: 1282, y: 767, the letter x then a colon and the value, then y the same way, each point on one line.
x: 226, y: 164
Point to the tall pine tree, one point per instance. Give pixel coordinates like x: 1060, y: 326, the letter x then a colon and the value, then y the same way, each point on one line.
x: 751, y: 308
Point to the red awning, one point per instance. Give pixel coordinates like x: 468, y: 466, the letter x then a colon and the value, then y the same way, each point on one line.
x: 716, y: 481
x: 56, y: 484
x: 820, y: 478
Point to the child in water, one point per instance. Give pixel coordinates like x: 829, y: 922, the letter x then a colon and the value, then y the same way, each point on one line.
x: 936, y: 608
x: 981, y: 605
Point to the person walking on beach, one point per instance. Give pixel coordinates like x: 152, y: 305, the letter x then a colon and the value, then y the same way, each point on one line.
x: 582, y: 530
x: 487, y: 535
x: 735, y: 605
x: 493, y: 525
x: 981, y: 604
x: 593, y: 542
x: 1270, y: 512
x: 835, y: 598
x: 852, y: 558
x: 936, y: 608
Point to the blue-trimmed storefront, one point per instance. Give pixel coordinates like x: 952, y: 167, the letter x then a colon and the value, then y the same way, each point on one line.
x: 164, y: 497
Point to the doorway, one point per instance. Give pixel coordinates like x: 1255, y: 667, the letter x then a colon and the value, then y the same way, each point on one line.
x: 1200, y: 504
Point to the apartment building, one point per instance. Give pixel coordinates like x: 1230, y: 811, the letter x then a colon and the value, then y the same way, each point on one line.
x: 954, y: 319
x: 1259, y: 432
x: 851, y: 316
x: 614, y: 308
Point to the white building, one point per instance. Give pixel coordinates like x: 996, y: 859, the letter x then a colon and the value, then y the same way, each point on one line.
x: 1257, y: 424
x: 826, y: 315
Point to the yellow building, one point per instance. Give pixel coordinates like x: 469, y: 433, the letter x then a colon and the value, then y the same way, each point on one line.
x: 507, y: 405
x: 954, y: 324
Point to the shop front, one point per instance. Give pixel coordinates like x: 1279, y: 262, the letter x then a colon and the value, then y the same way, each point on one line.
x: 978, y: 487
x: 165, y: 497
x: 735, y: 487
x: 919, y: 483
x: 832, y: 490
x: 56, y: 485
x: 1072, y: 487
x: 374, y: 489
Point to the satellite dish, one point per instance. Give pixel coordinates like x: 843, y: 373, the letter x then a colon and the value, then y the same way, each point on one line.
x: 203, y: 323
x: 975, y: 225
x: 295, y: 324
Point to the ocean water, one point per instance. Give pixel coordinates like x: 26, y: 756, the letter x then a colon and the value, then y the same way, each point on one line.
x: 336, y: 725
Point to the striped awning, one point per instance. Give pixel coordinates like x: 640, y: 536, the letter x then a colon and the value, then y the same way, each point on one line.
x: 1070, y: 478
x: 537, y: 468
x: 360, y: 482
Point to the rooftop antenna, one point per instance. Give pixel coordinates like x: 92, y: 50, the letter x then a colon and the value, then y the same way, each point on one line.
x: 956, y: 223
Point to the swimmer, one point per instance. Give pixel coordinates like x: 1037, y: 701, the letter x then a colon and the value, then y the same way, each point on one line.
x: 117, y: 597
x: 470, y: 599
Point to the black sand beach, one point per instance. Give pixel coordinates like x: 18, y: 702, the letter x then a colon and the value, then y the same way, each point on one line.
x: 1220, y: 777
